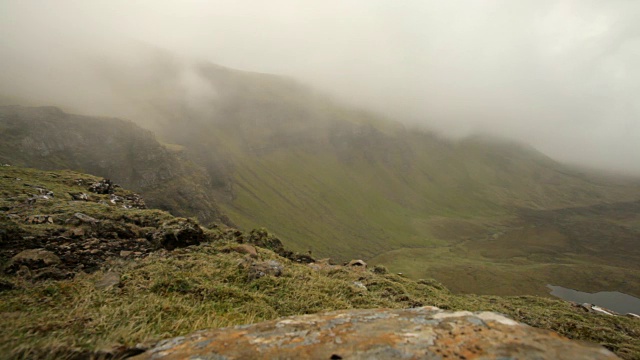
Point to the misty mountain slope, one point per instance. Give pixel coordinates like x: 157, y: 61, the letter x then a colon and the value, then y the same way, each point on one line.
x: 345, y: 183
x: 47, y: 138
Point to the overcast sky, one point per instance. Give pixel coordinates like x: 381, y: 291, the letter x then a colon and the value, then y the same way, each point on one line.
x: 563, y: 76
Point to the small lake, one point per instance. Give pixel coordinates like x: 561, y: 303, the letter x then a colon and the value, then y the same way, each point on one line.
x: 616, y: 301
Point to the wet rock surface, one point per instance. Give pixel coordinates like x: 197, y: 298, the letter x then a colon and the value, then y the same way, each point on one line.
x: 419, y: 333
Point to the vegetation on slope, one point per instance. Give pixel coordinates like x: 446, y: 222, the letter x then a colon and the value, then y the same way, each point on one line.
x: 170, y: 293
x: 345, y: 183
x: 49, y: 139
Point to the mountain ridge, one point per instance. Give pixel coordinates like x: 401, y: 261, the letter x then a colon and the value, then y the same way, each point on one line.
x: 345, y: 183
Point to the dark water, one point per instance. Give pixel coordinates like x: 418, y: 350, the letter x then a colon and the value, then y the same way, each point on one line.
x: 616, y: 301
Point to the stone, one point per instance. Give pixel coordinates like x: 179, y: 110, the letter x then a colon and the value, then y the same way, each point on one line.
x: 23, y: 272
x: 39, y: 219
x: 108, y: 280
x: 114, y: 199
x: 264, y: 268
x: 32, y: 259
x: 177, y: 233
x: 418, y: 333
x: 323, y: 265
x: 355, y: 263
x: 125, y: 253
x: 79, y: 196
x: 246, y: 249
x: 104, y: 186
x: 359, y: 285
x: 75, y: 232
x: 85, y: 218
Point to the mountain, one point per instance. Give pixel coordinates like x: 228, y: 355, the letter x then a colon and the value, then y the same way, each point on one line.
x: 345, y: 183
x: 102, y: 276
x: 480, y: 214
x: 48, y: 138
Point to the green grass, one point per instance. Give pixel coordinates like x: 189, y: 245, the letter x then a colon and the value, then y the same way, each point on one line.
x: 207, y: 286
x: 203, y: 287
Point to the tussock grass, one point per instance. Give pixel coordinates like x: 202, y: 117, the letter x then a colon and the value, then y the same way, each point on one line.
x: 172, y: 294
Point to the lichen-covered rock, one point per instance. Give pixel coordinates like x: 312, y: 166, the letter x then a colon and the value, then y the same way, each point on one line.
x: 178, y: 232
x: 357, y: 263
x: 265, y: 268
x: 420, y: 333
x: 104, y: 186
x: 32, y: 259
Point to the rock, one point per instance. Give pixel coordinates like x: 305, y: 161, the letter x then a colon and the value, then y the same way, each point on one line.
x: 85, y: 218
x: 262, y: 238
x: 108, y: 280
x: 125, y: 253
x: 380, y: 270
x: 594, y: 309
x: 104, y: 186
x: 75, y: 232
x: 419, y: 333
x: 302, y: 258
x: 632, y: 315
x: 79, y: 196
x: 359, y: 285
x: 32, y: 259
x: 322, y: 264
x: 264, y: 268
x: 135, y: 201
x: 354, y: 263
x: 114, y: 199
x: 52, y: 274
x: 600, y: 310
x: 23, y: 272
x: 39, y: 219
x: 246, y: 249
x: 178, y: 232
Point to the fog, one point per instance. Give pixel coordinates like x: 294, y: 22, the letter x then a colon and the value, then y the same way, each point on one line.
x: 563, y: 76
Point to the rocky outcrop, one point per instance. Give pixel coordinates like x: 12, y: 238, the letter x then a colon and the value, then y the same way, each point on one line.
x: 62, y: 235
x: 48, y: 138
x: 419, y: 333
x: 177, y: 233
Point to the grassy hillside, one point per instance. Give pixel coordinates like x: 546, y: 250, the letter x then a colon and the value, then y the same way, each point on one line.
x: 48, y: 138
x: 129, y: 299
x: 344, y: 183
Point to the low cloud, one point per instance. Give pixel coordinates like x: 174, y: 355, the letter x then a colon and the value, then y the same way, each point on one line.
x: 560, y: 75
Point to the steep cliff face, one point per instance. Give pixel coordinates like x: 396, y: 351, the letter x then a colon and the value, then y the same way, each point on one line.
x: 48, y: 138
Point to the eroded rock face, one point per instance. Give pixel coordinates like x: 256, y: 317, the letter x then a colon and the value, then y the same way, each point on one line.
x: 420, y: 333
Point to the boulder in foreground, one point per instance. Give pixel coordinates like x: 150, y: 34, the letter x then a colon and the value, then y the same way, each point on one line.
x: 419, y: 333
